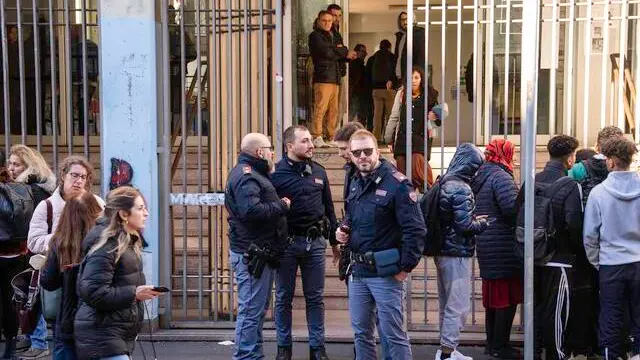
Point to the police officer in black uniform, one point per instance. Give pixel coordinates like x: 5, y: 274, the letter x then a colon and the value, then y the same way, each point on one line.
x: 311, y: 221
x: 257, y: 231
x: 387, y: 235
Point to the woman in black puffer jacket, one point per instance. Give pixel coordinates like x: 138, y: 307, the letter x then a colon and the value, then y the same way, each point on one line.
x: 500, y: 269
x: 111, y: 284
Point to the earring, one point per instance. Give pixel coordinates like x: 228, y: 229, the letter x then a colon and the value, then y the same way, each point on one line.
x: 126, y: 221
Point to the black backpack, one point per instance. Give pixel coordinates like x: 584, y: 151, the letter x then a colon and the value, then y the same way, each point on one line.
x: 23, y: 204
x: 593, y: 178
x: 545, y: 229
x: 430, y: 206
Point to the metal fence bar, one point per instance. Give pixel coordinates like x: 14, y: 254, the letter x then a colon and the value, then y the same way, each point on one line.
x: 529, y: 84
x: 23, y: 92
x: 605, y: 66
x: 38, y: 76
x: 246, y: 59
x: 488, y: 82
x: 569, y: 73
x: 587, y: 62
x: 54, y: 86
x: 67, y: 54
x: 443, y: 98
x: 427, y: 32
x: 229, y: 123
x: 213, y: 155
x: 183, y: 144
x: 85, y: 84
x: 637, y: 78
x: 200, y: 169
x: 5, y: 82
x: 261, y: 96
x: 506, y: 68
x: 279, y: 79
x: 408, y: 96
x: 477, y: 110
x: 622, y: 85
x: 458, y: 67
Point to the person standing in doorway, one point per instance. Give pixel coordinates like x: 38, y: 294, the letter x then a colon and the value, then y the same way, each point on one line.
x: 311, y: 222
x: 381, y: 73
x: 328, y: 55
x: 401, y: 47
x: 359, y: 92
x: 257, y: 232
x: 387, y: 234
x: 337, y: 13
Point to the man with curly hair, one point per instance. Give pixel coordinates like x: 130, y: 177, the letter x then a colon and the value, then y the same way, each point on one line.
x: 612, y: 244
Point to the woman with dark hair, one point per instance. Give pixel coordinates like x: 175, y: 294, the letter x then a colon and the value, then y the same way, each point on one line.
x: 111, y: 285
x: 500, y: 269
x: 395, y: 133
x: 78, y: 217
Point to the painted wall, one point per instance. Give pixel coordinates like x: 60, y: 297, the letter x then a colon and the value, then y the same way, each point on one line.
x: 129, y: 92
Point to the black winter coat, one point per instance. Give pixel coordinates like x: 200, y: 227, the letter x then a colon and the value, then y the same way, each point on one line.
x: 418, y: 50
x: 457, y: 204
x: 328, y: 58
x: 496, y: 193
x: 419, y: 115
x: 109, y: 317
x: 51, y: 278
x: 380, y: 69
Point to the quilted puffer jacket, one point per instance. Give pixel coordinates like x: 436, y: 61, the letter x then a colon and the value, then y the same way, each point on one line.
x: 457, y: 203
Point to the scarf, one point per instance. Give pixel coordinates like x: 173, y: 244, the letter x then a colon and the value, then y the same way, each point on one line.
x: 500, y: 151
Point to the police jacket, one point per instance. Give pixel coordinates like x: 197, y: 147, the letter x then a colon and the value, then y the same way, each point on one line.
x: 457, y: 203
x: 328, y: 57
x: 306, y: 184
x: 496, y: 192
x: 256, y: 213
x: 383, y: 214
x: 109, y: 317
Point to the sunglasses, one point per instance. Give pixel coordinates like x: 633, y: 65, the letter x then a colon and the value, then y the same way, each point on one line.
x: 357, y: 153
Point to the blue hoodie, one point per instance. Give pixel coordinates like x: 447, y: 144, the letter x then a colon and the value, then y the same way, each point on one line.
x: 611, y: 232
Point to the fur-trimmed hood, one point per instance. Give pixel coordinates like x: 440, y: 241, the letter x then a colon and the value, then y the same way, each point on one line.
x: 48, y: 184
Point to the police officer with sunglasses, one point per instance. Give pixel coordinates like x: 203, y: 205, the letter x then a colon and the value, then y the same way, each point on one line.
x: 311, y: 221
x: 387, y: 234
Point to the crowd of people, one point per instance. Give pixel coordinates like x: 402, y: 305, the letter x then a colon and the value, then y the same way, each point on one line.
x: 91, y: 252
x: 587, y: 272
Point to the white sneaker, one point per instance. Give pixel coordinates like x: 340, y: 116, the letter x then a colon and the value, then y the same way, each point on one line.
x: 319, y: 143
x: 332, y: 144
x: 457, y: 355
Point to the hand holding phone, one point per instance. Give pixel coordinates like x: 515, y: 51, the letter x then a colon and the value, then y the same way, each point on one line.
x: 161, y: 289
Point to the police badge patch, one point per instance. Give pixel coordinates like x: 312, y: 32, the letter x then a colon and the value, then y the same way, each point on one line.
x: 246, y: 169
x: 413, y: 196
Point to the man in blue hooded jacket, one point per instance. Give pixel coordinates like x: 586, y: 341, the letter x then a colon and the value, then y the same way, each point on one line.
x: 459, y: 226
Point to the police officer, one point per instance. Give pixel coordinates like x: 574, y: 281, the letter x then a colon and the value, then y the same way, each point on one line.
x: 257, y: 222
x: 387, y: 234
x: 311, y: 220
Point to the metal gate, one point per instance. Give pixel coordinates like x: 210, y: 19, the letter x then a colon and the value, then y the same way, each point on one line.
x: 223, y: 65
x: 49, y: 78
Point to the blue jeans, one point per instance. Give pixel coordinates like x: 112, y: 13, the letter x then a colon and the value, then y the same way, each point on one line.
x: 312, y: 268
x: 39, y: 335
x: 117, y: 357
x: 387, y: 295
x: 64, y: 350
x: 454, y: 295
x: 253, y: 302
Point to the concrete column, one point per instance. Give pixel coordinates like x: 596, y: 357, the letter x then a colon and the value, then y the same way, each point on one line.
x: 130, y: 102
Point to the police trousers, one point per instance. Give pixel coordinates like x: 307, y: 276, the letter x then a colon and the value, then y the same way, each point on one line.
x: 388, y: 296
x: 253, y: 302
x: 312, y: 268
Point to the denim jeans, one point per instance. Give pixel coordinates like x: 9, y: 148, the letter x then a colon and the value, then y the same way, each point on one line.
x: 117, y: 357
x: 39, y: 335
x: 387, y: 295
x: 253, y: 302
x: 312, y: 269
x: 64, y: 350
x: 454, y: 295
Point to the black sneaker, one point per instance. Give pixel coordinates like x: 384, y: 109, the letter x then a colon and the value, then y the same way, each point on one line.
x: 318, y: 353
x: 284, y: 353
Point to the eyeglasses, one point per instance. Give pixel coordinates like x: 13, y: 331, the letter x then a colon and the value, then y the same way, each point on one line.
x: 267, y: 147
x: 76, y: 176
x: 367, y: 152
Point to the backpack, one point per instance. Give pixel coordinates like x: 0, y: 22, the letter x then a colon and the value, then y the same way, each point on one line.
x: 430, y: 206
x: 23, y: 204
x: 592, y: 179
x: 545, y: 229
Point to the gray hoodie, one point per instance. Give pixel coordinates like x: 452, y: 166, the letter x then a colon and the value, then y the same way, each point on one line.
x: 612, y: 220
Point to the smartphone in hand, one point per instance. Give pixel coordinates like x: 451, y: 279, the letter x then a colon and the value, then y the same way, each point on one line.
x: 160, y: 289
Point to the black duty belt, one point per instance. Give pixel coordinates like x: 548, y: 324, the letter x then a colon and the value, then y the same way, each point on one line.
x: 366, y: 258
x: 312, y: 232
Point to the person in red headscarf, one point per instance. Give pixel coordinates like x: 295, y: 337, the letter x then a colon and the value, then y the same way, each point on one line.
x: 501, y: 271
